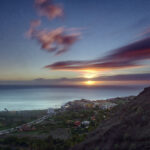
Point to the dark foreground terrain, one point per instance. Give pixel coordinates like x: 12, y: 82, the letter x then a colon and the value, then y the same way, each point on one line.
x: 127, y: 129
x: 126, y: 126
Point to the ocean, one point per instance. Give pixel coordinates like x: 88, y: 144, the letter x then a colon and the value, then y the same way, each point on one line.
x: 34, y: 98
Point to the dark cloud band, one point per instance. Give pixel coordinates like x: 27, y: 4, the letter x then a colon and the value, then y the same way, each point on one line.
x: 124, y: 57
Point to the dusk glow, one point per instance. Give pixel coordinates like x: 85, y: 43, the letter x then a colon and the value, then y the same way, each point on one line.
x: 74, y: 74
x: 55, y: 40
x: 89, y: 82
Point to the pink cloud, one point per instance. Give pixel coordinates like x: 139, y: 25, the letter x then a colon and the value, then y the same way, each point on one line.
x: 48, y: 9
x: 33, y: 25
x: 57, y: 40
x: 125, y: 57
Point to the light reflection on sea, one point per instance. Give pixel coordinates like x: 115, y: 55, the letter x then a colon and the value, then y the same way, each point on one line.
x: 43, y: 98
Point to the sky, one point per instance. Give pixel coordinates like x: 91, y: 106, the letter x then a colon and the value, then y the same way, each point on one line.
x: 75, y: 42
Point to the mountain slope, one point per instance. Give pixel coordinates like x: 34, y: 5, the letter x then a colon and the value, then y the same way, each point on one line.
x: 128, y: 127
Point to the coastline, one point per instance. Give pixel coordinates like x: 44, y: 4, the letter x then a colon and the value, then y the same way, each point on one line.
x: 43, y: 98
x: 33, y: 117
x: 74, y: 102
x: 77, y: 120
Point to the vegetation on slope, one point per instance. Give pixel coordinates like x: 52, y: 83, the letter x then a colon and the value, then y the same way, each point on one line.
x: 127, y: 129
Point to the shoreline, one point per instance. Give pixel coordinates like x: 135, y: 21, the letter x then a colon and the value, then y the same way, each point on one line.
x: 33, y: 117
x: 114, y: 100
x: 40, y: 99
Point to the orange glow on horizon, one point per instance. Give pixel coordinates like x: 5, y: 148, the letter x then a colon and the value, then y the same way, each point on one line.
x: 90, y: 74
x: 89, y: 82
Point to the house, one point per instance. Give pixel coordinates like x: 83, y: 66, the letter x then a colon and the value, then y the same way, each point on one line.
x: 89, y: 105
x: 64, y: 107
x: 77, y: 123
x: 51, y: 111
x: 97, y: 104
x: 25, y: 128
x: 108, y: 105
x: 85, y: 123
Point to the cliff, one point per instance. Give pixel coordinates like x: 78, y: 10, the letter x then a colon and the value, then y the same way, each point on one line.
x: 128, y: 127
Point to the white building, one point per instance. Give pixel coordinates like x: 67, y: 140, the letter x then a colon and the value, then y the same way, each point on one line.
x: 108, y: 105
x: 51, y: 111
x: 85, y: 123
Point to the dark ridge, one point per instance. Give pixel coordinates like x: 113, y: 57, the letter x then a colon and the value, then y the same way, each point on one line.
x: 127, y: 128
x: 145, y: 92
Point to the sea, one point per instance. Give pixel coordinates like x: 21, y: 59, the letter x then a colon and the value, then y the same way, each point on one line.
x: 14, y: 98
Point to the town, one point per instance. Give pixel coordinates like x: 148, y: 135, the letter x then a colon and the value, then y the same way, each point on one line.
x: 68, y: 125
x: 76, y: 106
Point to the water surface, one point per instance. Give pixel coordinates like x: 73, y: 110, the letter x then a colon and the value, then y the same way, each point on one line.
x: 42, y: 98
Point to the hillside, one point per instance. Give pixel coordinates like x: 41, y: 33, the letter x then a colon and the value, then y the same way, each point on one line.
x: 128, y: 127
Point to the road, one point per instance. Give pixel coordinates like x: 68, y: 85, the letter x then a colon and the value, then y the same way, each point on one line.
x: 11, y: 130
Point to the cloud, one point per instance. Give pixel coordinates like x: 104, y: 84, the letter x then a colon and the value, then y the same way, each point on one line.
x: 48, y: 9
x: 133, y: 52
x: 33, y: 25
x: 146, y: 33
x: 122, y: 79
x: 57, y: 40
x: 125, y: 77
x: 86, y: 65
x: 124, y: 57
x: 114, y: 80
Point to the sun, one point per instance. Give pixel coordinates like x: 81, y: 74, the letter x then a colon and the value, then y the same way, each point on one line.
x: 89, y: 82
x: 89, y: 74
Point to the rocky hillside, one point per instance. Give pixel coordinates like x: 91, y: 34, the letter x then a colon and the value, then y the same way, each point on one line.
x: 128, y: 127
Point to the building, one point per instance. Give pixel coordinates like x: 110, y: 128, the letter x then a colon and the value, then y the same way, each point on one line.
x: 108, y: 105
x: 51, y: 111
x: 77, y: 123
x: 85, y: 123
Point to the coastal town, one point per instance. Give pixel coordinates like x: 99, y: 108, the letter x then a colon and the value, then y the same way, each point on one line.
x: 75, y: 105
x: 86, y: 104
x: 69, y: 125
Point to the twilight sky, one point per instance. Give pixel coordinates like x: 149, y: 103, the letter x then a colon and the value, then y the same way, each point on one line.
x: 75, y: 42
